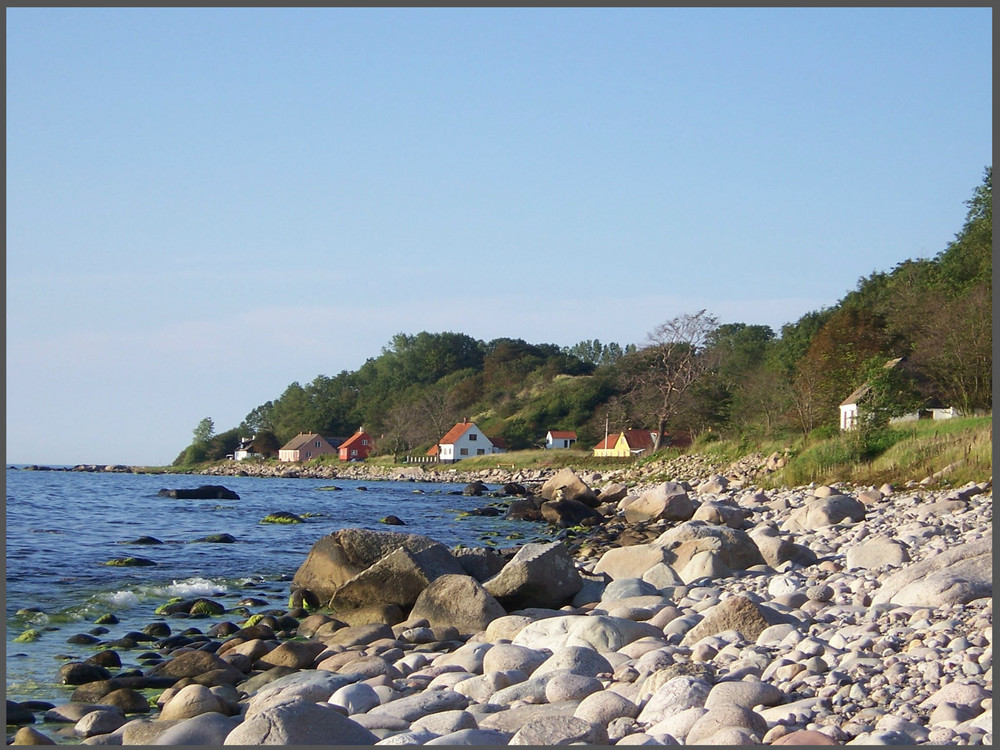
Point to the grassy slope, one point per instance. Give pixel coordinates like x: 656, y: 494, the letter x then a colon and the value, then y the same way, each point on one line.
x: 962, y: 449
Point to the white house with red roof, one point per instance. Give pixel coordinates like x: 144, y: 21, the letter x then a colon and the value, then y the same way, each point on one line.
x: 463, y: 441
x: 559, y: 439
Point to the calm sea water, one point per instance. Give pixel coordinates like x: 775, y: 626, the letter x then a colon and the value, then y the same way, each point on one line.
x: 63, y: 526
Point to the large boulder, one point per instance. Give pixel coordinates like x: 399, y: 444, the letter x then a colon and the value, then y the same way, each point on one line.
x: 668, y: 501
x: 299, y: 721
x: 398, y: 578
x: 825, y: 511
x: 777, y: 550
x: 459, y: 601
x: 338, y: 557
x: 955, y: 576
x: 539, y: 575
x: 632, y: 561
x: 524, y: 509
x: 738, y: 613
x: 695, y: 547
x: 565, y: 513
x: 565, y: 484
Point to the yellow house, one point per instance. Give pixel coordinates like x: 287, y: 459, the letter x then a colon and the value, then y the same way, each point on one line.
x: 626, y: 444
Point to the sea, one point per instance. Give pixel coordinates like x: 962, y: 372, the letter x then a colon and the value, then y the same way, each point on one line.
x: 64, y: 526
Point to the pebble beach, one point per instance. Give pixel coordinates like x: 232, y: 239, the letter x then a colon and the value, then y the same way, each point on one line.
x: 703, y: 611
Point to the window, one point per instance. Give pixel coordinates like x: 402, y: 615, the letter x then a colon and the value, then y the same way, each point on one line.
x: 473, y: 436
x: 364, y: 441
x: 464, y: 452
x: 481, y: 451
x: 354, y: 452
x: 317, y: 443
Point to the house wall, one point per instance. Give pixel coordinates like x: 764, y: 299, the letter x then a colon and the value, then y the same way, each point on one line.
x: 554, y: 443
x: 288, y: 455
x: 848, y: 416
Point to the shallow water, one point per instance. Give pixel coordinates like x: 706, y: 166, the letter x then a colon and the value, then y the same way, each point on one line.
x: 63, y: 526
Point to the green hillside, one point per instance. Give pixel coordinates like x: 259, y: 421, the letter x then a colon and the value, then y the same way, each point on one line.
x: 695, y: 376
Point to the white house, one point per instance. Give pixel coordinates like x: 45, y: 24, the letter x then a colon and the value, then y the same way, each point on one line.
x: 559, y: 439
x: 849, y: 407
x: 245, y: 449
x: 462, y: 441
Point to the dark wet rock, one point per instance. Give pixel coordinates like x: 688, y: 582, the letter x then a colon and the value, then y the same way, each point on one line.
x: 204, y: 492
x: 82, y: 639
x: 109, y: 659
x: 17, y: 714
x: 130, y: 562
x: 392, y: 521
x: 564, y: 513
x: 144, y: 540
x: 475, y: 489
x: 78, y: 673
x: 515, y: 489
x: 282, y: 517
x: 216, y: 539
x: 525, y: 509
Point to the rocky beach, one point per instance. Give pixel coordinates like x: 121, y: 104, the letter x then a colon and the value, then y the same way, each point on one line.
x: 698, y: 611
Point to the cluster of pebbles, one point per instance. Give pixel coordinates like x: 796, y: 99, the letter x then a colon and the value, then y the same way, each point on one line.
x: 870, y: 628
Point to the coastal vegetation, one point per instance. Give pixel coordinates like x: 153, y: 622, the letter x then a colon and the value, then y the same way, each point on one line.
x: 695, y: 380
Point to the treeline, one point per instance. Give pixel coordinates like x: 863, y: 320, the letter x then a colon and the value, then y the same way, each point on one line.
x: 691, y: 375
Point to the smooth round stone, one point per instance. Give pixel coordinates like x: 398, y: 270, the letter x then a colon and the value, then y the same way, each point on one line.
x: 357, y: 698
x: 506, y: 656
x: 99, y: 722
x: 746, y: 694
x: 445, y: 722
x: 570, y: 687
x: 604, y: 706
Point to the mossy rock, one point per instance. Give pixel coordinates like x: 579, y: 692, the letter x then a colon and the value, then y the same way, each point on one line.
x: 130, y: 562
x: 253, y: 620
x: 206, y: 607
x: 28, y: 636
x: 166, y: 607
x: 281, y: 517
x: 108, y: 619
x: 330, y: 488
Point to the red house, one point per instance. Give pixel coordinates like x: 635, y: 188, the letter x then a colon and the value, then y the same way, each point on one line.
x: 357, y: 446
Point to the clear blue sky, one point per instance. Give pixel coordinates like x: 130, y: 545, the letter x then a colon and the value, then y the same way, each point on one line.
x: 204, y: 205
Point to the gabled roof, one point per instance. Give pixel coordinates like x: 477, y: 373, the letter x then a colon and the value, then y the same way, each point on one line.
x: 301, y: 440
x: 563, y: 434
x: 639, y: 439
x: 608, y: 443
x: 861, y: 390
x: 357, y: 437
x: 455, y: 433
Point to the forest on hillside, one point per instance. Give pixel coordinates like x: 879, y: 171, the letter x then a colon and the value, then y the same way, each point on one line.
x: 692, y: 374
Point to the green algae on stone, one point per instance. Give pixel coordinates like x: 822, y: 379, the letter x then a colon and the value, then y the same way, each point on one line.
x: 207, y: 607
x: 162, y: 609
x: 28, y: 636
x: 107, y: 619
x: 281, y: 517
x: 130, y: 562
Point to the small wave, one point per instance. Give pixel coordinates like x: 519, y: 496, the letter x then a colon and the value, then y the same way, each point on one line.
x: 121, y: 599
x: 190, y: 587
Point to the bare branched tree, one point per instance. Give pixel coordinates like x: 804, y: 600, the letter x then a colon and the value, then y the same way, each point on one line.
x: 673, y: 360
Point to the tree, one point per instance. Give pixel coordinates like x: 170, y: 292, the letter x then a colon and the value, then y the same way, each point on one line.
x: 204, y: 431
x: 673, y: 361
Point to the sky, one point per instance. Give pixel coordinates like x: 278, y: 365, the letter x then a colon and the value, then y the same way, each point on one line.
x: 205, y: 205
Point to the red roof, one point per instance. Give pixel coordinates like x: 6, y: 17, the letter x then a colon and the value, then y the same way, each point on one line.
x: 608, y: 443
x: 635, y: 439
x: 639, y: 439
x: 355, y: 438
x: 455, y: 433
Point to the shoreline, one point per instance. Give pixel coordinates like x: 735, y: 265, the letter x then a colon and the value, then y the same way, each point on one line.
x: 635, y: 655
